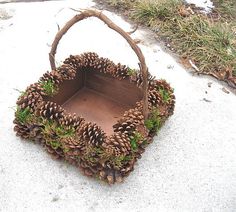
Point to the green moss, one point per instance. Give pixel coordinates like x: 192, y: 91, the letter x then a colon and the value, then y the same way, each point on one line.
x: 153, y: 123
x: 23, y: 115
x: 131, y: 72
x: 135, y: 140
x: 121, y: 160
x: 55, y: 144
x: 164, y: 94
x: 49, y: 87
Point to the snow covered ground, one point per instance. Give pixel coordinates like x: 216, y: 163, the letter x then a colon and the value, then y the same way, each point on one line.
x: 191, y: 166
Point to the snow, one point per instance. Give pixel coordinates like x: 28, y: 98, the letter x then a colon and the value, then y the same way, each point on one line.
x: 207, y: 5
x: 191, y: 165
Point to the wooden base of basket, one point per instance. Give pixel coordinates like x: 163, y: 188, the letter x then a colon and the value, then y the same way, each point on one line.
x: 98, y: 98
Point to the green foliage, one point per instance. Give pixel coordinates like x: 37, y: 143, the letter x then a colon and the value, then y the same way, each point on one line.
x: 121, y: 160
x: 52, y: 128
x: 131, y: 72
x: 164, y: 94
x: 153, y: 123
x: 23, y: 115
x: 134, y: 140
x: 49, y: 87
x: 55, y: 144
x: 93, y: 154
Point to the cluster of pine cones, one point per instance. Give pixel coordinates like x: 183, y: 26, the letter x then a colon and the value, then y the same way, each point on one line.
x: 85, y: 144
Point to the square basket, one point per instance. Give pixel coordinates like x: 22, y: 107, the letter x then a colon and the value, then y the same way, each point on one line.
x: 93, y: 113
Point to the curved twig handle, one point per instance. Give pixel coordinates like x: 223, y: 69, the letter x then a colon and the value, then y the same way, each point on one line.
x: 89, y: 13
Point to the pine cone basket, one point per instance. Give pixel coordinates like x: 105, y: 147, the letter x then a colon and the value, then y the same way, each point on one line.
x: 93, y: 113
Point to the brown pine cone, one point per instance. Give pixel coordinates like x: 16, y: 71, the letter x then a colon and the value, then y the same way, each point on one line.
x: 134, y: 115
x: 117, y: 144
x: 36, y: 88
x: 92, y: 134
x: 75, y: 61
x: 52, y: 76
x: 55, y: 152
x: 125, y: 126
x: 89, y: 58
x: 21, y: 130
x: 110, y: 176
x: 30, y: 100
x: 87, y: 169
x: 73, y: 147
x: 120, y: 72
x: 36, y: 132
x: 74, y: 121
x: 103, y: 65
x: 154, y: 98
x: 67, y: 72
x: 50, y: 110
x: 137, y: 79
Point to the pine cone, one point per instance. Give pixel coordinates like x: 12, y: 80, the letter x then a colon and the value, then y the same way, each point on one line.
x: 52, y: 76
x: 92, y: 134
x: 117, y: 144
x: 50, y: 110
x: 67, y: 72
x: 110, y: 175
x: 30, y: 100
x: 103, y: 65
x: 87, y: 169
x: 127, y: 168
x: 36, y: 132
x: 89, y: 58
x: 125, y: 127
x: 72, y: 121
x: 21, y: 130
x: 143, y: 131
x: 134, y: 115
x: 121, y: 72
x: 74, y: 61
x: 36, y: 88
x: 56, y: 153
x: 154, y: 98
x: 137, y: 78
x: 162, y: 85
x: 73, y: 146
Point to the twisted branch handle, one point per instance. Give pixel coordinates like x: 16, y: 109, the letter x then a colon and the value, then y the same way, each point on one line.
x: 94, y: 13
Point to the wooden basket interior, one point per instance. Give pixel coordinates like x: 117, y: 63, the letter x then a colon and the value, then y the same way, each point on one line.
x: 97, y: 97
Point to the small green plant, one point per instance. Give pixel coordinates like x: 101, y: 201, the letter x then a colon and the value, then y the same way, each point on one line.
x: 55, y: 144
x: 131, y: 71
x: 49, y: 87
x: 52, y: 128
x: 164, y: 94
x: 23, y: 115
x: 153, y: 123
x: 121, y: 160
x: 134, y: 140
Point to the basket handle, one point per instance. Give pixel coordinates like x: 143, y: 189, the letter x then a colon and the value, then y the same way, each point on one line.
x: 98, y: 14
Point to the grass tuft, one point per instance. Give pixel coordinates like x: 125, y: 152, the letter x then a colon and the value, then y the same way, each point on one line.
x: 49, y: 87
x: 22, y: 115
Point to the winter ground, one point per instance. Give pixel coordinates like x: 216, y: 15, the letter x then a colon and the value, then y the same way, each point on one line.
x: 191, y: 166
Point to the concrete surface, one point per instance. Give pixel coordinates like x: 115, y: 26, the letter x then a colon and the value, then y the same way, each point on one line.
x: 191, y: 166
